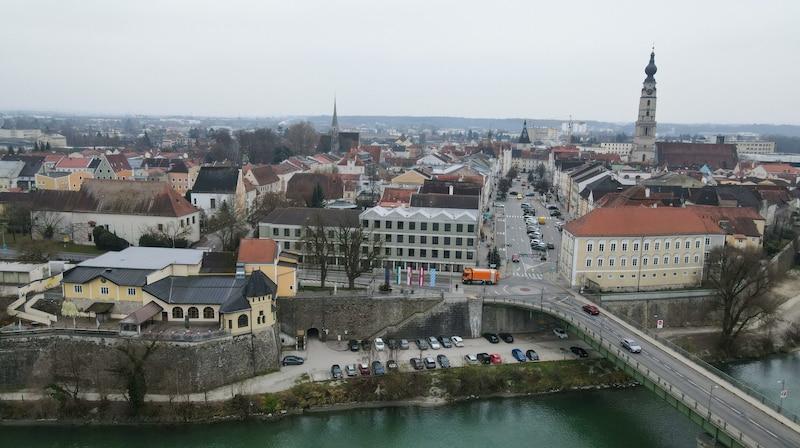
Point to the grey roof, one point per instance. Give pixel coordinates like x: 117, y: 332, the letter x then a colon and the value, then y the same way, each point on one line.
x: 199, y: 290
x: 151, y: 258
x: 143, y: 314
x: 299, y: 216
x: 117, y: 275
x: 259, y: 285
x: 216, y: 179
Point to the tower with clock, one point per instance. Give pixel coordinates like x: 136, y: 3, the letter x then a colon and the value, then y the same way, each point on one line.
x: 644, y: 139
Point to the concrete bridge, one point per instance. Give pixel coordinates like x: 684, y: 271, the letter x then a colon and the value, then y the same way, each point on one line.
x: 730, y: 416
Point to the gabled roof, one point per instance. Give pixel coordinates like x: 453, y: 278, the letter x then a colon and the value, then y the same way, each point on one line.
x: 259, y: 285
x: 264, y: 175
x: 641, y: 221
x: 734, y: 220
x: 198, y: 290
x: 257, y: 251
x: 216, y: 179
x: 458, y: 201
x: 118, y: 275
x: 87, y: 163
x: 116, y: 197
x: 118, y: 162
x: 33, y: 164
x: 299, y: 216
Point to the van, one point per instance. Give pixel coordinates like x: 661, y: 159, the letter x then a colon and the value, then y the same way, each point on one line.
x: 542, y: 220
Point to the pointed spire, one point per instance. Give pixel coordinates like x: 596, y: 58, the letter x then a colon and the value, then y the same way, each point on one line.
x: 651, y: 68
x: 335, y: 123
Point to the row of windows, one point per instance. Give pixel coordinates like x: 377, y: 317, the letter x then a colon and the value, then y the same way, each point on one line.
x: 612, y: 246
x: 193, y: 313
x: 674, y: 274
x: 78, y: 289
x: 423, y: 226
x: 423, y: 253
x: 676, y: 259
x: 423, y: 239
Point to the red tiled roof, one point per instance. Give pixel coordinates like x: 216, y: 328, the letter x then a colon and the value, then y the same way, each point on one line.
x: 73, y: 162
x: 254, y: 250
x: 641, y: 221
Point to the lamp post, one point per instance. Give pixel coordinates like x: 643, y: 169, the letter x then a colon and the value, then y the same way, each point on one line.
x: 710, y: 396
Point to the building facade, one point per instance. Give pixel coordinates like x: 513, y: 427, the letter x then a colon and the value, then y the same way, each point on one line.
x: 644, y: 139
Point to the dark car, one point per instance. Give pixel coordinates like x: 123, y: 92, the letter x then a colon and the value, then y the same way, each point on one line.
x: 416, y: 364
x: 366, y: 344
x: 552, y: 207
x: 551, y: 246
x: 491, y: 337
x: 422, y: 344
x: 292, y: 360
x: 591, y: 309
x: 555, y: 213
x: 392, y: 365
x: 336, y: 372
x: 579, y: 351
x: 430, y: 363
x: 483, y: 358
x: 443, y: 361
x: 392, y: 344
x: 518, y: 355
x: 532, y: 355
x: 353, y: 345
x: 377, y: 368
x: 507, y: 337
x: 445, y: 341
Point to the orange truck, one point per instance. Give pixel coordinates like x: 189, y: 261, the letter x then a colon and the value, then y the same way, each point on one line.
x: 482, y: 276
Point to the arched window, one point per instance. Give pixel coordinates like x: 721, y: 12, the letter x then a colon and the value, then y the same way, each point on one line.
x: 193, y: 312
x: 242, y: 321
x: 177, y: 313
x: 208, y: 313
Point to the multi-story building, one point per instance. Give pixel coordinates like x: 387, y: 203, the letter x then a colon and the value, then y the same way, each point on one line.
x: 638, y: 248
x: 755, y: 147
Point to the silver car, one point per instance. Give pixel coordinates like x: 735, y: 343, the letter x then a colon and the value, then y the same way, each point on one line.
x: 631, y: 345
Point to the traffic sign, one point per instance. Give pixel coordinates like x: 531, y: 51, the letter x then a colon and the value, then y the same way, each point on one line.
x: 784, y: 393
x: 660, y: 323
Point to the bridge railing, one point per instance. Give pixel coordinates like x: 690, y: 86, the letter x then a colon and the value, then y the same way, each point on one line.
x: 731, y: 431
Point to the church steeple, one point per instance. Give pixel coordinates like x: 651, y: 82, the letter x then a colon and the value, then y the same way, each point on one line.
x: 644, y: 139
x: 335, y: 130
x: 524, y: 138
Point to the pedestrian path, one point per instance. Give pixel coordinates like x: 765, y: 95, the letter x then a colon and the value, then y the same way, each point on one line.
x: 530, y: 275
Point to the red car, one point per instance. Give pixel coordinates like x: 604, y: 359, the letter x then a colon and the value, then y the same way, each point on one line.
x: 591, y: 309
x: 515, y: 258
x: 363, y: 368
x: 495, y: 358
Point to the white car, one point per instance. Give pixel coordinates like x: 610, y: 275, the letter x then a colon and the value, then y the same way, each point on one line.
x: 457, y: 341
x: 434, y: 343
x: 471, y: 359
x: 379, y: 344
x: 560, y: 333
x: 631, y: 345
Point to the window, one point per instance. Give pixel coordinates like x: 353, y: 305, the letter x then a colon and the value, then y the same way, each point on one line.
x: 177, y: 313
x: 399, y: 238
x: 470, y: 255
x: 447, y: 241
x: 193, y: 312
x: 613, y: 247
x: 655, y: 261
x: 696, y: 258
x: 447, y: 254
x: 435, y: 240
x: 208, y: 313
x: 601, y: 247
x: 388, y: 224
x: 286, y: 245
x: 688, y: 244
x: 400, y: 225
x: 365, y: 223
x: 470, y: 242
x: 666, y: 245
x: 213, y: 203
x: 677, y: 259
x: 459, y: 255
x: 697, y: 243
x: 635, y: 246
x: 387, y: 251
x: 459, y: 241
x: 388, y: 237
x: 412, y: 239
x: 286, y: 232
x: 376, y: 224
x: 460, y: 228
x: 423, y: 253
x: 589, y: 247
x: 411, y: 252
x: 297, y: 233
x: 78, y: 289
x: 623, y: 262
x: 423, y: 239
x: 708, y: 241
x: 160, y: 227
x: 666, y: 259
x: 657, y: 245
x: 611, y: 262
x: 644, y: 261
x: 646, y: 246
x: 399, y: 251
x: 423, y: 226
x: 448, y: 227
x: 436, y: 227
x: 131, y: 291
x: 435, y: 253
x: 470, y: 228
x: 242, y: 321
x: 104, y: 290
x: 412, y: 226
x: 599, y: 262
x: 624, y: 246
x: 588, y: 262
x: 275, y: 231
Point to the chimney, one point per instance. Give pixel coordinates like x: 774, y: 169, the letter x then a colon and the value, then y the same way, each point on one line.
x: 451, y: 190
x: 647, y: 192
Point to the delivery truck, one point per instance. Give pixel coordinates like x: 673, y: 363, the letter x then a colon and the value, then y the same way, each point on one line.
x: 482, y: 276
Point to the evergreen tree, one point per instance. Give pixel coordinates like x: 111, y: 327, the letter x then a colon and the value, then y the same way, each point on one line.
x: 317, y: 197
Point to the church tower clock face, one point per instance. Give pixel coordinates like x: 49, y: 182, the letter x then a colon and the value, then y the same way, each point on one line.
x: 649, y: 91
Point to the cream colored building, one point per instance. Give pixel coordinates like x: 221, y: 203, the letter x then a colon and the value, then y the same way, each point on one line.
x: 637, y: 248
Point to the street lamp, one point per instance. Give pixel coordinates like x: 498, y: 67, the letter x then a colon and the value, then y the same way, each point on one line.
x: 710, y: 396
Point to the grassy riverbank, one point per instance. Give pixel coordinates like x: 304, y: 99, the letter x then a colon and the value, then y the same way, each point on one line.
x: 393, y: 389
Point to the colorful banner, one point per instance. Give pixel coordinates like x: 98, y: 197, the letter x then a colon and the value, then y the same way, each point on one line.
x: 433, y: 277
x: 410, y: 274
x: 398, y: 275
x: 421, y: 277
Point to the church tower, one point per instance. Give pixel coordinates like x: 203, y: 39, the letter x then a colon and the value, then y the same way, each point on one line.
x: 335, y: 131
x: 644, y: 139
x: 524, y: 141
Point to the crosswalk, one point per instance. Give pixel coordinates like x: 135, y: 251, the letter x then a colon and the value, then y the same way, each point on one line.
x: 530, y: 275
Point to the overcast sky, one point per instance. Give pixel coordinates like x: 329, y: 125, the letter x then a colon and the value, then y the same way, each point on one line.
x: 731, y: 61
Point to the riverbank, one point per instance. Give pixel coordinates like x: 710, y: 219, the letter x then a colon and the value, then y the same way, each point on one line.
x: 394, y: 389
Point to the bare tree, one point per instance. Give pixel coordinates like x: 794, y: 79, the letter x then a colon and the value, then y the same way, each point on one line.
x: 302, y: 138
x: 46, y: 224
x: 165, y: 234
x: 358, y: 249
x: 264, y: 204
x: 742, y: 280
x: 228, y: 226
x: 39, y: 251
x: 317, y: 246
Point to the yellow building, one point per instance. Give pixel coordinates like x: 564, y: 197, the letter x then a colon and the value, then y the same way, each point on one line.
x: 265, y: 255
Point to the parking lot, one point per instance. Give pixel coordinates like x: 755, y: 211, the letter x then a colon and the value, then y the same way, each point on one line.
x: 320, y: 356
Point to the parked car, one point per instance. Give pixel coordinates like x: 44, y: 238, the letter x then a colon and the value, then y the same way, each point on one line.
x: 443, y: 361
x: 551, y: 246
x: 539, y: 247
x: 631, y: 345
x: 471, y: 359
x: 483, y: 358
x: 555, y: 213
x: 532, y: 355
x: 422, y: 344
x: 579, y: 351
x: 379, y: 344
x: 430, y: 363
x: 392, y: 344
x: 529, y: 195
x: 404, y: 344
x: 552, y: 207
x: 392, y: 365
x: 457, y: 341
x: 336, y: 372
x: 445, y: 341
x: 363, y: 368
x: 434, y: 343
x: 591, y: 309
x: 366, y: 344
x: 491, y: 337
x: 558, y: 331
x: 353, y: 345
x: 292, y: 360
x: 518, y: 355
x: 377, y: 368
x: 494, y: 358
x: 515, y: 258
x: 416, y: 364
x: 350, y: 370
x: 499, y: 205
x: 506, y: 337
